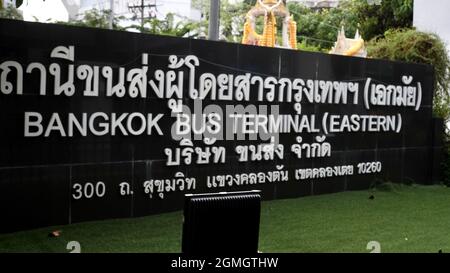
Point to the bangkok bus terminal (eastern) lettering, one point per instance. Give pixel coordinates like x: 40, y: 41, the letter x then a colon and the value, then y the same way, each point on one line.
x: 136, y: 123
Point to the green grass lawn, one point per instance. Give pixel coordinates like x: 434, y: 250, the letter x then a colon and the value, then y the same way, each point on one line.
x: 402, y: 219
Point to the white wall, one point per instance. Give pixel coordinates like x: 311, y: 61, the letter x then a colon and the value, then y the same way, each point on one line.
x: 433, y: 16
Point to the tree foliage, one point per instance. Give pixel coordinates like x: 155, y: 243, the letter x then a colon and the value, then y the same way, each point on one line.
x: 169, y: 26
x: 319, y: 28
x: 410, y: 45
x: 315, y: 28
x: 10, y: 12
x: 374, y: 19
x: 232, y: 17
x: 96, y: 18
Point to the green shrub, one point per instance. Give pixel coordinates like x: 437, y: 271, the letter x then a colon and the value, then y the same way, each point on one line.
x: 410, y: 45
x: 10, y: 12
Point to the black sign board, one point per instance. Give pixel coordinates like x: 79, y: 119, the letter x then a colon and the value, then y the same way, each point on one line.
x: 99, y: 124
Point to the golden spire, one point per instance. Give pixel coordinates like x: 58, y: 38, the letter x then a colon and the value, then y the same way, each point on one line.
x: 268, y: 9
x: 270, y: 31
x: 292, y: 33
x: 270, y: 2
